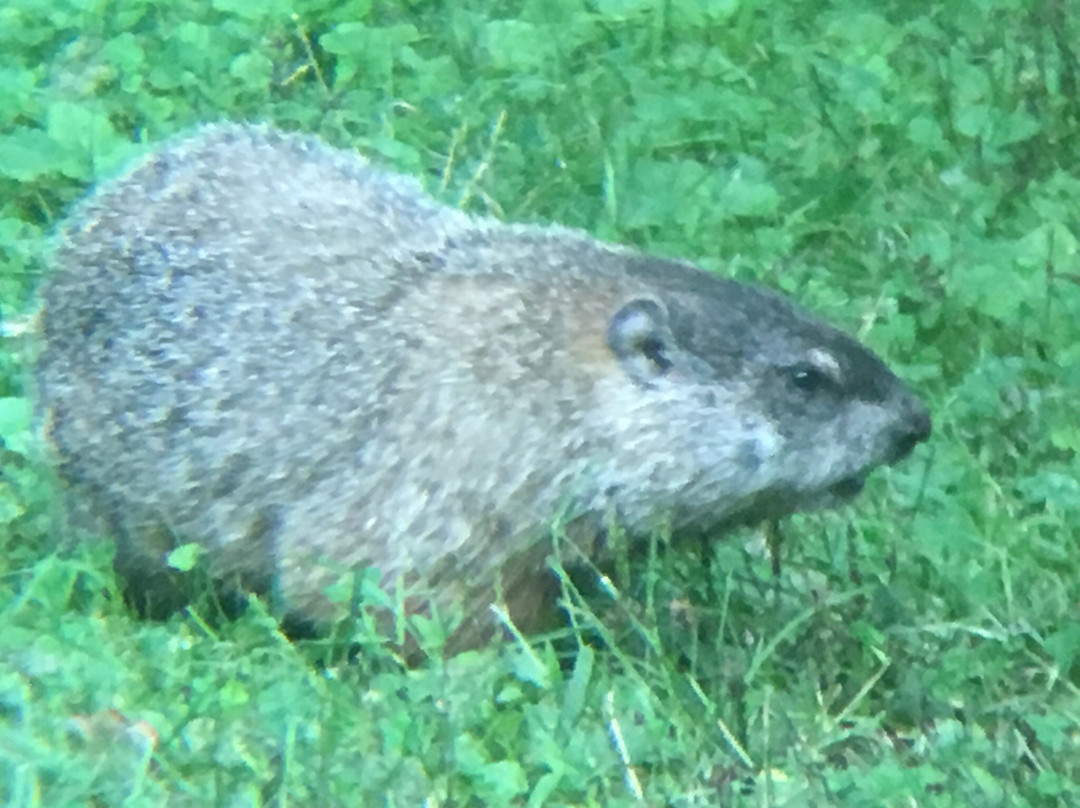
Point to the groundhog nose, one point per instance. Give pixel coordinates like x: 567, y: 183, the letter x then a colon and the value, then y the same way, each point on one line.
x: 914, y: 430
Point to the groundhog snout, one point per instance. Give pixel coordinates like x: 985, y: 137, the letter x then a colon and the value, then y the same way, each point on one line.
x: 914, y: 428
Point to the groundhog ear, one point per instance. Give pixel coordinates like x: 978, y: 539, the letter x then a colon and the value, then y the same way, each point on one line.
x: 639, y: 337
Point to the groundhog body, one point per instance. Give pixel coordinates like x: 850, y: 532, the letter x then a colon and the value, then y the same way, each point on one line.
x: 307, y: 366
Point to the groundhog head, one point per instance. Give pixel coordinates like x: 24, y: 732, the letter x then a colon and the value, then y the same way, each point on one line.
x: 761, y: 409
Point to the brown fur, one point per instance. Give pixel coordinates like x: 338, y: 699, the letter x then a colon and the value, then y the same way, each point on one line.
x: 306, y: 365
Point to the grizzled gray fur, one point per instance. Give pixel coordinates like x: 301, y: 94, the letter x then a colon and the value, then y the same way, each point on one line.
x: 306, y: 365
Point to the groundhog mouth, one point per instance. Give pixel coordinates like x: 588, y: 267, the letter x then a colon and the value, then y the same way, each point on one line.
x: 780, y: 503
x: 848, y: 488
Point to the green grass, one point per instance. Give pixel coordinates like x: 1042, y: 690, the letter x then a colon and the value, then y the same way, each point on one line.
x: 912, y: 173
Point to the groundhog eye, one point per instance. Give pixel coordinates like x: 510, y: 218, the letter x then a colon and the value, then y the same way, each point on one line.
x: 810, y: 379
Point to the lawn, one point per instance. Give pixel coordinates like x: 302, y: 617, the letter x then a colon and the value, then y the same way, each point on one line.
x: 909, y: 171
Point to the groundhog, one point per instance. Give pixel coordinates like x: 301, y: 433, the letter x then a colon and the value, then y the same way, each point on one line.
x: 304, y: 364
